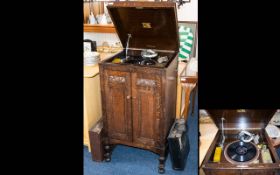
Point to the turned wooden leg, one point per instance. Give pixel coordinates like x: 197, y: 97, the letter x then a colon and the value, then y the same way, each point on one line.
x: 107, y: 154
x: 162, y: 160
x: 161, y: 166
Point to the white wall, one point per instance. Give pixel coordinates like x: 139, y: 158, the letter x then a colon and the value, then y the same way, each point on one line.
x: 188, y: 12
x: 111, y: 38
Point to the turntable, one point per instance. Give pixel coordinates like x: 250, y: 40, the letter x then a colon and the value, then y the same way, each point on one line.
x: 241, y: 152
x: 241, y: 145
x: 144, y: 57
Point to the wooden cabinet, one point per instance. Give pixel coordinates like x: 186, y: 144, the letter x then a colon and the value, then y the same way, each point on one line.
x: 132, y: 106
x: 139, y: 105
x: 92, y: 97
x: 92, y: 104
x: 139, y: 99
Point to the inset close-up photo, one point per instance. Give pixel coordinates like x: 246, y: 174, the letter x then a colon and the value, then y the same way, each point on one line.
x: 239, y: 141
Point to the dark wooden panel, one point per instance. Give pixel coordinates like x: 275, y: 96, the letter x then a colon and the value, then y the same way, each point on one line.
x: 152, y: 25
x: 118, y: 112
x: 96, y: 143
x: 242, y: 119
x: 145, y: 96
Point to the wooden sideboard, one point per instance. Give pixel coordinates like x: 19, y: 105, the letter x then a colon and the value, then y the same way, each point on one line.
x: 92, y: 97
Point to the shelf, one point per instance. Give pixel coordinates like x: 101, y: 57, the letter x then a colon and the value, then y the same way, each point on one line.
x: 98, y: 28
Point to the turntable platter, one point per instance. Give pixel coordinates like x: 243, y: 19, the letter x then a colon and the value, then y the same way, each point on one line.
x: 241, y: 152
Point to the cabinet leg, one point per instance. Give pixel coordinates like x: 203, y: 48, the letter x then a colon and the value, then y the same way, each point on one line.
x: 162, y: 160
x: 107, y: 154
x: 161, y: 166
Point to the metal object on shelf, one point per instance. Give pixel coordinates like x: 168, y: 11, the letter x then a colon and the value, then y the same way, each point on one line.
x: 149, y: 53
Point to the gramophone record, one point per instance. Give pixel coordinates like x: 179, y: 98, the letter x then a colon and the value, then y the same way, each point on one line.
x: 241, y: 152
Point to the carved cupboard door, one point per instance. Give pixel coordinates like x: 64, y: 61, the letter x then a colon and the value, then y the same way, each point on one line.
x: 118, y: 104
x: 146, y: 106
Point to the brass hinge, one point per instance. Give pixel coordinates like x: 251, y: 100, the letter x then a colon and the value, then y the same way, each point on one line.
x: 241, y: 110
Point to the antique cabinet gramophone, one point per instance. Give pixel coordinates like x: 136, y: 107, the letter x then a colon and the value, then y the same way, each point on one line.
x: 242, y: 145
x: 138, y: 85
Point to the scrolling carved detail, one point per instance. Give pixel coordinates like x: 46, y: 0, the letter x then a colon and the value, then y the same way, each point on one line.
x: 116, y: 79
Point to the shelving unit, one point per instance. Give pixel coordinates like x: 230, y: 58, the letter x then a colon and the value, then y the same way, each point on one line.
x: 97, y: 8
x: 98, y: 28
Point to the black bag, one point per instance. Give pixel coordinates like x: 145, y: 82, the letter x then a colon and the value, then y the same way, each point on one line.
x: 178, y: 142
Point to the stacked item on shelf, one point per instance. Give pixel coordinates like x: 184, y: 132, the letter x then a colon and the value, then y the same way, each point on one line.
x: 91, y: 58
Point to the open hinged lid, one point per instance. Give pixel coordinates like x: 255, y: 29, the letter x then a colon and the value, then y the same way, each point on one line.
x: 152, y: 25
x: 241, y: 118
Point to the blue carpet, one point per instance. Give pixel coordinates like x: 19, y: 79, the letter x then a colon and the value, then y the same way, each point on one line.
x: 133, y: 161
